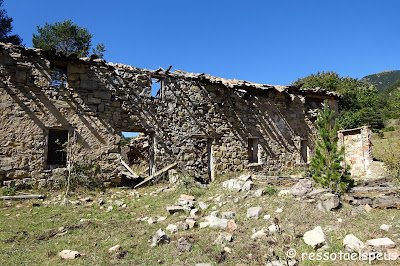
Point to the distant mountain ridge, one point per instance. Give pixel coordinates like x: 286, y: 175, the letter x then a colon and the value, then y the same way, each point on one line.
x: 383, y: 79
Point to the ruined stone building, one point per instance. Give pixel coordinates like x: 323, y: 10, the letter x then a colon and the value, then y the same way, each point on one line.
x: 55, y: 108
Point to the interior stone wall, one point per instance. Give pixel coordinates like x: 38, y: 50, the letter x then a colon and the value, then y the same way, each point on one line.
x: 193, y: 115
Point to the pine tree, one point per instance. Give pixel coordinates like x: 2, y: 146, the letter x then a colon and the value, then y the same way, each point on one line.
x: 326, y: 165
x: 66, y: 37
x: 6, y: 28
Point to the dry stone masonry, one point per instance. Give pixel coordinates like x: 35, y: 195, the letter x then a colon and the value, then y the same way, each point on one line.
x: 56, y: 109
x: 358, y: 150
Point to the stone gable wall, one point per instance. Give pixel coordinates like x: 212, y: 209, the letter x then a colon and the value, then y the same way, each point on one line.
x: 99, y: 100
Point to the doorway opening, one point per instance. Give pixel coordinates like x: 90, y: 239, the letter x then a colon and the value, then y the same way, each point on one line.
x: 137, y: 151
x: 305, y: 151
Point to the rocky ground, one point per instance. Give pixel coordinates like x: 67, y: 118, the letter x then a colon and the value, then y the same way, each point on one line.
x: 234, y: 220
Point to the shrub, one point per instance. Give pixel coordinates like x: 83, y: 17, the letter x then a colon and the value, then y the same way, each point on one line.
x: 83, y: 176
x: 8, y: 191
x: 387, y: 129
x: 271, y: 190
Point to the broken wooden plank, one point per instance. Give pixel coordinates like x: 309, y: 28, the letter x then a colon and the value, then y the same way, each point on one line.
x: 129, y: 169
x: 41, y: 196
x: 129, y: 175
x: 157, y: 174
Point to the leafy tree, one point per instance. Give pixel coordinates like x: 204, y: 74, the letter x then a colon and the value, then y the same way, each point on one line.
x: 390, y: 101
x: 360, y: 103
x: 326, y: 165
x: 6, y: 28
x: 66, y: 37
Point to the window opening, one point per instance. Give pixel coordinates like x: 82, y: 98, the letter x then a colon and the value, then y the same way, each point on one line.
x: 156, y: 87
x: 58, y: 77
x: 57, y: 147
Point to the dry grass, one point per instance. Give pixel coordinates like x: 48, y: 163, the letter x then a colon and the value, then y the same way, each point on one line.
x: 389, y: 143
x: 29, y: 234
x: 387, y: 150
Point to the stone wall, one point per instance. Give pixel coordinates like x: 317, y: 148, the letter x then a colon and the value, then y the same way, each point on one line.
x: 358, y: 150
x: 203, y: 123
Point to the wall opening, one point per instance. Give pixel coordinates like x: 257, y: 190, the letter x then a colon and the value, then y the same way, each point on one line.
x: 305, y: 151
x: 58, y: 77
x: 57, y: 147
x: 210, y: 166
x: 252, y: 149
x: 156, y: 87
x: 138, y: 152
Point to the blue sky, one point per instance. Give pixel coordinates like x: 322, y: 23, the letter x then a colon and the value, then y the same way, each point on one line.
x: 272, y: 42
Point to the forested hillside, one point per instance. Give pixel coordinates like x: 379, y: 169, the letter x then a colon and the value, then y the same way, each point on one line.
x: 383, y: 79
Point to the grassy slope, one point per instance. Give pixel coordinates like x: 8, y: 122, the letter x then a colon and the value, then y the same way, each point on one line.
x: 23, y: 225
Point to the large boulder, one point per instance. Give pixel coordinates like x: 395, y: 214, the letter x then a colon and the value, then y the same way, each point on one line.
x: 69, y: 254
x: 302, y: 187
x: 352, y: 244
x: 174, y: 209
x: 244, y: 177
x: 247, y: 186
x: 316, y: 238
x: 228, y: 215
x: 159, y: 238
x: 172, y: 228
x: 237, y: 185
x: 244, y: 185
x: 381, y: 243
x: 223, y: 237
x: 328, y: 202
x: 317, y: 192
x: 202, y: 205
x: 184, y: 245
x: 259, y: 235
x: 254, y: 212
x: 217, y: 223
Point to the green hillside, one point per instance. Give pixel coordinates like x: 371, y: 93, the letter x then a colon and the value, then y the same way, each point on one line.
x: 392, y: 88
x: 383, y: 79
x: 388, y: 85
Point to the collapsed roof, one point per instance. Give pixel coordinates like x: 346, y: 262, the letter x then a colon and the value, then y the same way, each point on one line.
x: 179, y: 74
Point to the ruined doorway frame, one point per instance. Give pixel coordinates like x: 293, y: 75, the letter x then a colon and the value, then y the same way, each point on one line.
x: 151, y: 142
